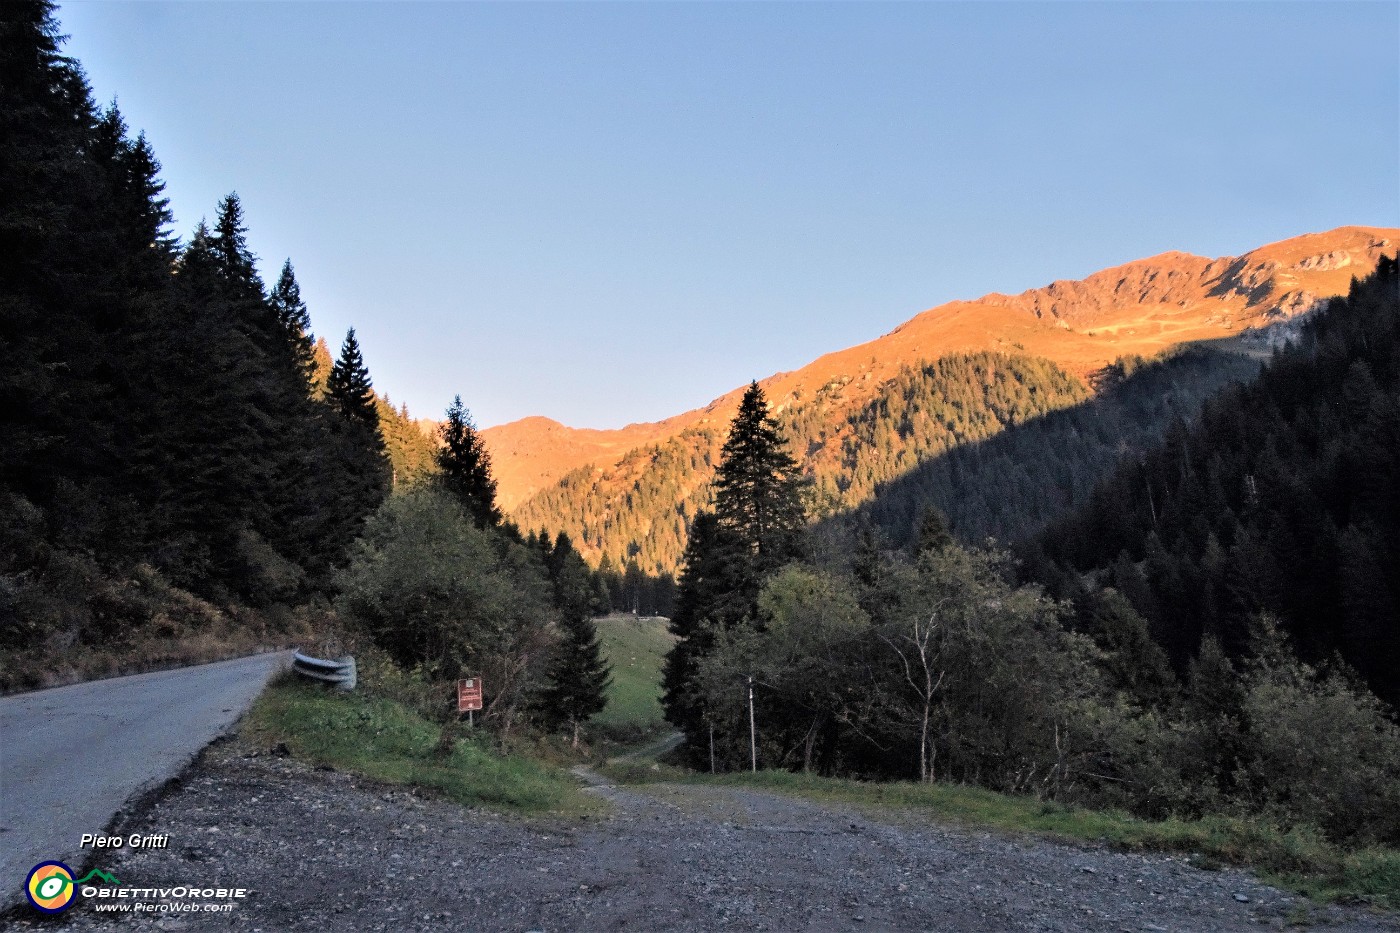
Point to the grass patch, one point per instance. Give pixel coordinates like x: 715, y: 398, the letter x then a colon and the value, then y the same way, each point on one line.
x: 635, y: 647
x: 387, y: 741
x: 1299, y: 859
x: 647, y: 771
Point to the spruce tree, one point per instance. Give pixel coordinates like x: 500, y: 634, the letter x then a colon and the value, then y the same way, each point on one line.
x: 758, y: 486
x: 578, y: 677
x: 132, y: 288
x: 464, y: 466
x: 575, y: 593
x: 354, y: 450
x: 349, y: 389
x: 46, y: 115
x: 717, y: 589
x: 229, y: 245
x: 137, y: 216
x: 756, y: 528
x: 933, y: 534
x: 294, y: 323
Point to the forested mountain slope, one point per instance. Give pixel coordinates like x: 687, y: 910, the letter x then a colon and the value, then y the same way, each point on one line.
x: 1282, y: 499
x: 1009, y: 486
x: 641, y: 508
x: 591, y: 483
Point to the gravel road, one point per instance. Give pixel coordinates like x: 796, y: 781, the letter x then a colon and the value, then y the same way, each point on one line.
x: 70, y: 757
x: 322, y: 850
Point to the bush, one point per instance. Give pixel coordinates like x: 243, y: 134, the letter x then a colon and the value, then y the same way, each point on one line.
x: 1317, y: 748
x: 447, y: 599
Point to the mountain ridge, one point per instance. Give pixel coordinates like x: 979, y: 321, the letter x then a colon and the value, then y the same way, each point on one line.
x: 1140, y: 307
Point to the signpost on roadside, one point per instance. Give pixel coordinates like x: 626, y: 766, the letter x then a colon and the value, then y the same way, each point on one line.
x: 753, y: 742
x: 469, y: 698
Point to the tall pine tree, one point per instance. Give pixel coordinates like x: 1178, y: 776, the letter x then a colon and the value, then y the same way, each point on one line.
x: 349, y: 389
x: 714, y: 593
x: 756, y: 528
x: 464, y: 466
x: 294, y: 323
x: 357, y: 470
x: 235, y: 261
x: 758, y: 486
x: 578, y: 677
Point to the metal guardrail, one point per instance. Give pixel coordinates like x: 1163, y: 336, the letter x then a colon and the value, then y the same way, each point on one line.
x: 340, y: 673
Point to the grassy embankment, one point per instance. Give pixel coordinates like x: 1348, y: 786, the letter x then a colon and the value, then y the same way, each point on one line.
x: 380, y: 732
x: 387, y: 740
x: 182, y: 630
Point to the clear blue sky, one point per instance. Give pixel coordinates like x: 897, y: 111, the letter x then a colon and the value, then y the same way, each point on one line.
x: 615, y: 212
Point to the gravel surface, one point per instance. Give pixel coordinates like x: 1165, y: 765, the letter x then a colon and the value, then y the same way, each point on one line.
x: 321, y: 850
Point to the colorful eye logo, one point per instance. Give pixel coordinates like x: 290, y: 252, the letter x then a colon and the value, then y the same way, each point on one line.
x: 50, y: 888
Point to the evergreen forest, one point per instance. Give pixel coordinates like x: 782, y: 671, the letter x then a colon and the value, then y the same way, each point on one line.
x: 1280, y: 499
x: 166, y: 454
x: 187, y: 472
x: 1010, y: 485
x: 1105, y: 666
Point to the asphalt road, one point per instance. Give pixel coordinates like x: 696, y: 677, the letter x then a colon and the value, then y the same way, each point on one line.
x: 70, y: 757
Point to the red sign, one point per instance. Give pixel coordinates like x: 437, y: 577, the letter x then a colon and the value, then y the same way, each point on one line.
x: 469, y: 694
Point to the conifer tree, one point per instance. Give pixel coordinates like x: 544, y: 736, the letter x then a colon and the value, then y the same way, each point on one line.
x: 868, y: 562
x: 575, y: 592
x: 229, y: 245
x: 933, y: 535
x: 758, y: 486
x: 196, y: 262
x: 349, y: 389
x: 45, y: 117
x: 711, y: 596
x: 756, y: 528
x: 464, y: 466
x: 137, y: 216
x: 578, y: 677
x: 353, y: 469
x: 295, y: 324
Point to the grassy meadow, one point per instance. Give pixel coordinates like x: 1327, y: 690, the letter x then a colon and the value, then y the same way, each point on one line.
x: 635, y: 647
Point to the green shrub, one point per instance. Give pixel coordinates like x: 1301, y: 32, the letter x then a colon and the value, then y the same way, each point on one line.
x: 1318, y: 748
x: 447, y: 599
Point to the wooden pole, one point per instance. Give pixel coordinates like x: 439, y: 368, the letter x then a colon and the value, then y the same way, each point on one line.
x: 753, y: 742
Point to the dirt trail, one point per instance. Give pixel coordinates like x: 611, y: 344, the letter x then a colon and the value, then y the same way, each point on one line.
x: 323, y: 850
x: 651, y: 751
